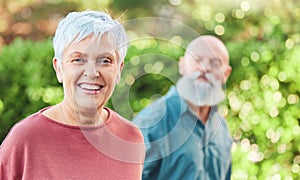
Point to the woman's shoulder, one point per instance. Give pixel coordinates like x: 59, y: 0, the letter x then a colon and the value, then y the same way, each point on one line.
x: 24, y: 130
x: 25, y: 124
x: 124, y: 128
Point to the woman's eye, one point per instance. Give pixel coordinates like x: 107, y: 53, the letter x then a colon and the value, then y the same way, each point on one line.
x: 77, y: 60
x: 105, y: 61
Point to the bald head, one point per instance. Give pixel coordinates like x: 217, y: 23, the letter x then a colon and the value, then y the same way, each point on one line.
x: 208, y: 43
x: 206, y: 50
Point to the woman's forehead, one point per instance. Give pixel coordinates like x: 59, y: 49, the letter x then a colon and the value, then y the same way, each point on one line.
x: 102, y: 43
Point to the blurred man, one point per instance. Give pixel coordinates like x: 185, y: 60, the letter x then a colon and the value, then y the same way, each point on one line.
x: 185, y: 136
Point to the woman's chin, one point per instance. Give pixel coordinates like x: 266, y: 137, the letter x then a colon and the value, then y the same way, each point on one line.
x: 87, y: 105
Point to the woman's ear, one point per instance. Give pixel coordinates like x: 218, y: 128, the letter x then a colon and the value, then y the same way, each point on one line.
x: 57, y: 68
x: 120, y: 70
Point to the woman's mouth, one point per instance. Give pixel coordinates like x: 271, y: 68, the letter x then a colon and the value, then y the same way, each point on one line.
x: 91, y: 87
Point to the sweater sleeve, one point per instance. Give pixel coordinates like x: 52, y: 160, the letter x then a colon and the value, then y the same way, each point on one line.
x: 11, y: 159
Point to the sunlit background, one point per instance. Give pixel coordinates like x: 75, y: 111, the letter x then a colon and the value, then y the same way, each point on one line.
x: 263, y: 37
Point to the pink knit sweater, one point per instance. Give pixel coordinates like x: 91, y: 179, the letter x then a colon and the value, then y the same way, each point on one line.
x: 40, y: 148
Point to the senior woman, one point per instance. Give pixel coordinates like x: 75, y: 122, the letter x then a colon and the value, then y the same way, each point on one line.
x: 79, y: 138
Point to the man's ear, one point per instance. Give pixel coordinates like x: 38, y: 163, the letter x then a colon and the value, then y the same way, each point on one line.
x: 181, y: 65
x: 57, y: 68
x: 120, y: 70
x: 227, y: 73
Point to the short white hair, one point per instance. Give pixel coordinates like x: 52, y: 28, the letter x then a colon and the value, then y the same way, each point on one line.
x: 78, y: 25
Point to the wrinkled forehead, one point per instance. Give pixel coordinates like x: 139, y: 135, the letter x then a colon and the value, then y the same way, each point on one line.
x: 207, y: 49
x: 94, y: 44
x: 106, y: 39
x: 99, y: 39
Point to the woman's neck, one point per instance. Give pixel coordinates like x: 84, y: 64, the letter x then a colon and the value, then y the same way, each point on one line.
x: 82, y: 117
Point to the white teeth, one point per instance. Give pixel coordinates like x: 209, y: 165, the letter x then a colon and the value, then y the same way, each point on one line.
x: 90, y: 86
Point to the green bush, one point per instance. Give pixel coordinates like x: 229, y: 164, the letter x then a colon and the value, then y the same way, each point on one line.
x: 28, y: 81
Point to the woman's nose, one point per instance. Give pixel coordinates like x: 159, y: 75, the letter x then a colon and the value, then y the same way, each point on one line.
x: 91, y: 71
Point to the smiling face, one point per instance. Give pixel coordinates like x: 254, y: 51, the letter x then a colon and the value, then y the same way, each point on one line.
x: 89, y: 72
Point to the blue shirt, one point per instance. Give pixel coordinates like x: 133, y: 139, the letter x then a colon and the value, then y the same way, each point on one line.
x: 179, y: 146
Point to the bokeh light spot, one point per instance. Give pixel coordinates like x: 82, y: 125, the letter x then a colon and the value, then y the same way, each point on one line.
x: 129, y: 80
x: 239, y: 13
x: 219, y: 30
x: 245, y: 61
x: 254, y: 56
x: 289, y: 43
x: 245, y: 5
x: 282, y: 76
x: 219, y: 17
x: 175, y: 2
x: 148, y: 68
x: 205, y: 13
x: 293, y: 99
x: 135, y: 60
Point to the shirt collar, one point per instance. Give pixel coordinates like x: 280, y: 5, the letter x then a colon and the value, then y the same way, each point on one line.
x: 213, y: 124
x: 184, y: 106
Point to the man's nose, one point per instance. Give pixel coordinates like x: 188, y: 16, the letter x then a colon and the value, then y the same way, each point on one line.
x: 204, y: 65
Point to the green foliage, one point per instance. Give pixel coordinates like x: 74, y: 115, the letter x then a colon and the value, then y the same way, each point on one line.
x: 263, y: 99
x: 28, y: 81
x: 151, y: 67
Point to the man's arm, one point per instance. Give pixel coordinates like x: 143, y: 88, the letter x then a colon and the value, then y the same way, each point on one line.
x: 228, y: 175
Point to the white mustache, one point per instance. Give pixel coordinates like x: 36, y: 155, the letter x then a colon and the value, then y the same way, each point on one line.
x: 198, y: 92
x: 196, y: 74
x: 211, y: 79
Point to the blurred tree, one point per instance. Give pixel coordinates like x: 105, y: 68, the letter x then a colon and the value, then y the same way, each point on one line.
x: 34, y: 20
x: 28, y: 81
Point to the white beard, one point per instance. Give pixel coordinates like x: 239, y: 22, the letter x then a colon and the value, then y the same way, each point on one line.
x: 200, y: 93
